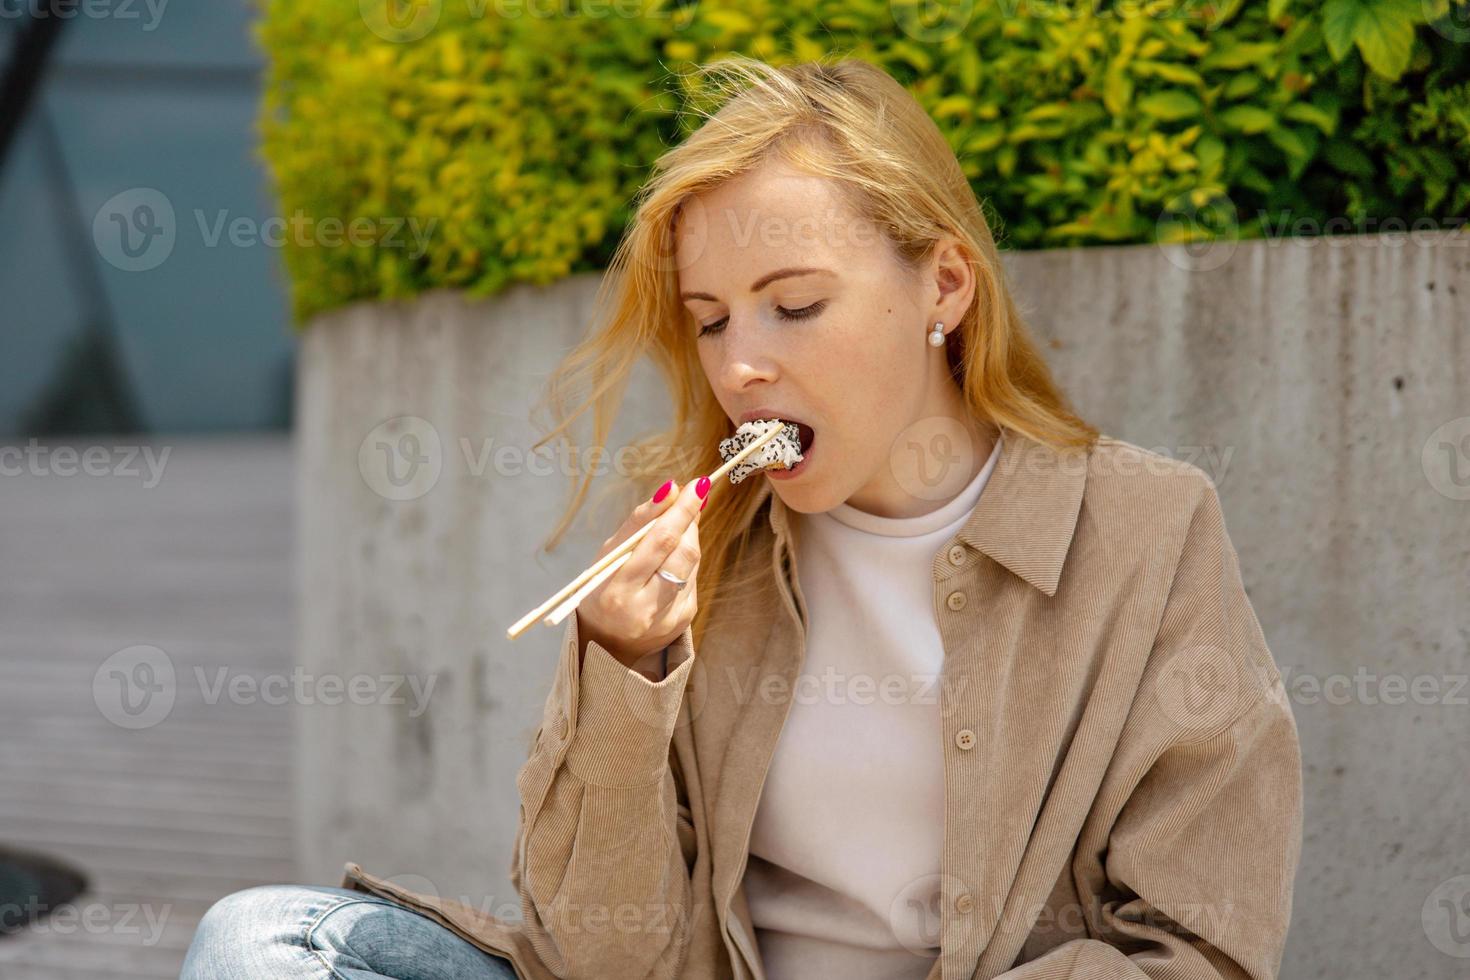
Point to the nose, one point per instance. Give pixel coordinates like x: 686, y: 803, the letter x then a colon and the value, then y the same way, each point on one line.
x: 746, y: 368
x: 747, y: 357
x: 741, y: 375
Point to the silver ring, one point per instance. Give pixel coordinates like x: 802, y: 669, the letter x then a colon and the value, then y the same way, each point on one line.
x: 668, y: 576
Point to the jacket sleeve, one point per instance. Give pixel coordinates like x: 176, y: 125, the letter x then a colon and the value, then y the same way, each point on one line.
x: 1200, y: 859
x: 604, y: 846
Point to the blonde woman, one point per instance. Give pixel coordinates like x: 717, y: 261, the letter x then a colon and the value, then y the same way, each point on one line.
x: 974, y: 691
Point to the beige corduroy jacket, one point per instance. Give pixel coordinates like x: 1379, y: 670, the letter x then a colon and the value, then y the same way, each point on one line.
x: 1122, y: 770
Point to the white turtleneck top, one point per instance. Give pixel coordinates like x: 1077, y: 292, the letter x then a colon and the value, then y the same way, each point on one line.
x: 846, y: 851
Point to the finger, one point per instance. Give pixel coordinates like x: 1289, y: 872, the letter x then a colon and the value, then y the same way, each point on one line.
x: 640, y: 516
x: 668, y: 530
x: 685, y: 557
x: 683, y: 562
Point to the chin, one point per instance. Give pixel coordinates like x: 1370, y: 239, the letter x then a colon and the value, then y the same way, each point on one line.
x: 804, y: 498
x: 795, y: 500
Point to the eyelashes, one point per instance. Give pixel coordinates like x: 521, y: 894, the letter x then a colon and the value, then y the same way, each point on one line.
x: 806, y: 312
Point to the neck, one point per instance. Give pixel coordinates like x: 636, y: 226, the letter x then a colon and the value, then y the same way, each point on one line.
x: 927, y: 482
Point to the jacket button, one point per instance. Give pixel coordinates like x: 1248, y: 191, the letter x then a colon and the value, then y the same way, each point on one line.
x: 956, y: 601
x: 957, y: 555
x: 561, y: 727
x: 964, y: 903
x: 965, y: 739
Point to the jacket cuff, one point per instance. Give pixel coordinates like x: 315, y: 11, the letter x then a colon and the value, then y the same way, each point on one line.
x: 652, y: 665
x: 623, y: 721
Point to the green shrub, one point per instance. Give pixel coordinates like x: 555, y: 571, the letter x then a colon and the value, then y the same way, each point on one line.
x: 517, y: 138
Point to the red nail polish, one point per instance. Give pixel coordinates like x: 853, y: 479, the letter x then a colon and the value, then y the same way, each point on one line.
x: 663, y: 491
x: 701, y: 489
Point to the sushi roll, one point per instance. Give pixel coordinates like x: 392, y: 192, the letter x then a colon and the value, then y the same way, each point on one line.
x: 784, y: 450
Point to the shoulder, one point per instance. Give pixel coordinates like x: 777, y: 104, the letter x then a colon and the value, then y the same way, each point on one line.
x: 1137, y: 494
x: 1146, y: 519
x: 1115, y: 464
x: 1156, y: 524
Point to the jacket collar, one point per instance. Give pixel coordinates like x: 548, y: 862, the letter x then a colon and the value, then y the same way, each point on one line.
x: 1026, y: 516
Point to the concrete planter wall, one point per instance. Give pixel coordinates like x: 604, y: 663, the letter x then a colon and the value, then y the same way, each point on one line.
x: 1325, y: 385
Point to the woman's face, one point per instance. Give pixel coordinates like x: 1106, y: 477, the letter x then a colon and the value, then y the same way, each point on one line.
x: 804, y: 312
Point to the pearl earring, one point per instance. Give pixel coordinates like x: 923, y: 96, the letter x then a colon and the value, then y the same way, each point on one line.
x: 936, y: 336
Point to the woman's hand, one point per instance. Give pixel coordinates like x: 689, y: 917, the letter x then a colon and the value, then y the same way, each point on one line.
x: 636, y: 611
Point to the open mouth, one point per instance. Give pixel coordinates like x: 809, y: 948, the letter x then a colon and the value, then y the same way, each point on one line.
x: 807, y: 435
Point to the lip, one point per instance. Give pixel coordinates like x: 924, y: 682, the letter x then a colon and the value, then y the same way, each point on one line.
x: 768, y: 413
x: 776, y: 473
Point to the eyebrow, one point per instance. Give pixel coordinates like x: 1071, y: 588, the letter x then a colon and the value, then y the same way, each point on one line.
x: 766, y: 280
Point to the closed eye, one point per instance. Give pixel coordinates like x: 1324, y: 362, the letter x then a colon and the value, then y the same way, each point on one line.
x: 802, y: 314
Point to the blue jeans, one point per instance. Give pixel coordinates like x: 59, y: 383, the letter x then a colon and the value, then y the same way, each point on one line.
x: 275, y: 932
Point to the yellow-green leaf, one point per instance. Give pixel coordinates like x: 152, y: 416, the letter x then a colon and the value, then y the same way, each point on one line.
x: 1308, y: 113
x: 1171, y: 105
x: 1247, y: 119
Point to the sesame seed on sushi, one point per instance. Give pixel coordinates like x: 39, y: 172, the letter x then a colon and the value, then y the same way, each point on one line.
x: 782, y: 452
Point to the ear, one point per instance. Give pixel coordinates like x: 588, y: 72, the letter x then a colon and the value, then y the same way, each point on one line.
x: 954, y: 277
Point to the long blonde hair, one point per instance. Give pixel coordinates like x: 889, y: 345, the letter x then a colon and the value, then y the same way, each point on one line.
x: 846, y: 120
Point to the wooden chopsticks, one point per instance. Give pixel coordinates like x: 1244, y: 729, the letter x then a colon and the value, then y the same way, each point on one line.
x: 565, y: 599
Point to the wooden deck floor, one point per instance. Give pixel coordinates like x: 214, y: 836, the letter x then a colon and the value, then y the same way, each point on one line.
x: 163, y: 819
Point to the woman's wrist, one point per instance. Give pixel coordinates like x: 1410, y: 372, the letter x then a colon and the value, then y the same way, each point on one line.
x: 587, y: 633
